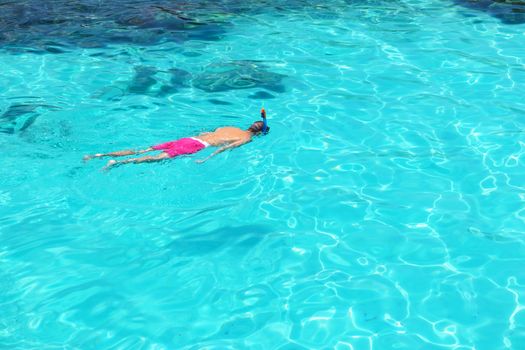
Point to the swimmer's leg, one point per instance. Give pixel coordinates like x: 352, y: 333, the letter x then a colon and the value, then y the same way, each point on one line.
x: 117, y: 153
x: 146, y: 159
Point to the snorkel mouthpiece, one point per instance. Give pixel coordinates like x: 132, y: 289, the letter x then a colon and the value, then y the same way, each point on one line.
x: 265, y: 123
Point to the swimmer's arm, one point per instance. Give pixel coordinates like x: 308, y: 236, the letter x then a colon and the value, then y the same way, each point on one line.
x: 224, y: 148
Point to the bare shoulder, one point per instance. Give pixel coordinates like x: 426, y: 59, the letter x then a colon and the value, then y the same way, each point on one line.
x: 246, y: 138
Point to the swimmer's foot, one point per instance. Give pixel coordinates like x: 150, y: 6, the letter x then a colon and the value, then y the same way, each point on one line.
x: 109, y: 164
x: 91, y: 156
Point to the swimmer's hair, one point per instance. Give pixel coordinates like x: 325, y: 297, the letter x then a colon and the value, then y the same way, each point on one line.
x: 257, y: 127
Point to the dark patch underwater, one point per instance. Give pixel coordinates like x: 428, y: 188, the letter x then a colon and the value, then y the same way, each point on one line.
x: 20, y: 116
x: 238, y: 75
x: 508, y: 11
x: 62, y: 25
x: 58, y: 26
x: 218, y: 77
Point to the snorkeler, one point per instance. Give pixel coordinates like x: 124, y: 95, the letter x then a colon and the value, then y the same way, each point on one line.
x: 226, y: 138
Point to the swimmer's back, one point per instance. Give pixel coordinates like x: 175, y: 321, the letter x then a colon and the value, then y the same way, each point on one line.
x: 225, y: 135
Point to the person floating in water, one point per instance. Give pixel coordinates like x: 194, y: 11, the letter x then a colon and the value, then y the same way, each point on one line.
x: 226, y: 138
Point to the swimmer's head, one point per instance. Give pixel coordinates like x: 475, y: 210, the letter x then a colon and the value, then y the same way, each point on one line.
x: 257, y: 127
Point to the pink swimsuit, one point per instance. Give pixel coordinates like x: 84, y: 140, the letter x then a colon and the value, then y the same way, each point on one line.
x: 187, y: 145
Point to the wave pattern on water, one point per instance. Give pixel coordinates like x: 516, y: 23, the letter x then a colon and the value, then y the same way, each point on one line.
x: 385, y: 210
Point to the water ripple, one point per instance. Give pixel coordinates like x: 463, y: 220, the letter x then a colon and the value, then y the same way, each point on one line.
x: 384, y: 210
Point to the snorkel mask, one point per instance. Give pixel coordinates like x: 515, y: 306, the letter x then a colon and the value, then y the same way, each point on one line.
x: 265, y: 123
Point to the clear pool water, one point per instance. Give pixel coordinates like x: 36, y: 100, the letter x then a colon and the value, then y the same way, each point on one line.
x: 385, y: 210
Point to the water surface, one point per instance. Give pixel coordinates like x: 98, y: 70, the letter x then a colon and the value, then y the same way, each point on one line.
x: 385, y: 210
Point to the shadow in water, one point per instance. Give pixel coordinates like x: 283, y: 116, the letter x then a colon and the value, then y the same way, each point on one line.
x: 228, y: 237
x: 219, y: 77
x: 20, y: 116
x: 143, y: 80
x: 238, y: 75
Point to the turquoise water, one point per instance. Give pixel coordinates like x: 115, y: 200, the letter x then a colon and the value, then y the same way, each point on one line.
x: 385, y: 210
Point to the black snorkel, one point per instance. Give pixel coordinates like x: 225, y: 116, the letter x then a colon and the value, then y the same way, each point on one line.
x: 265, y: 123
